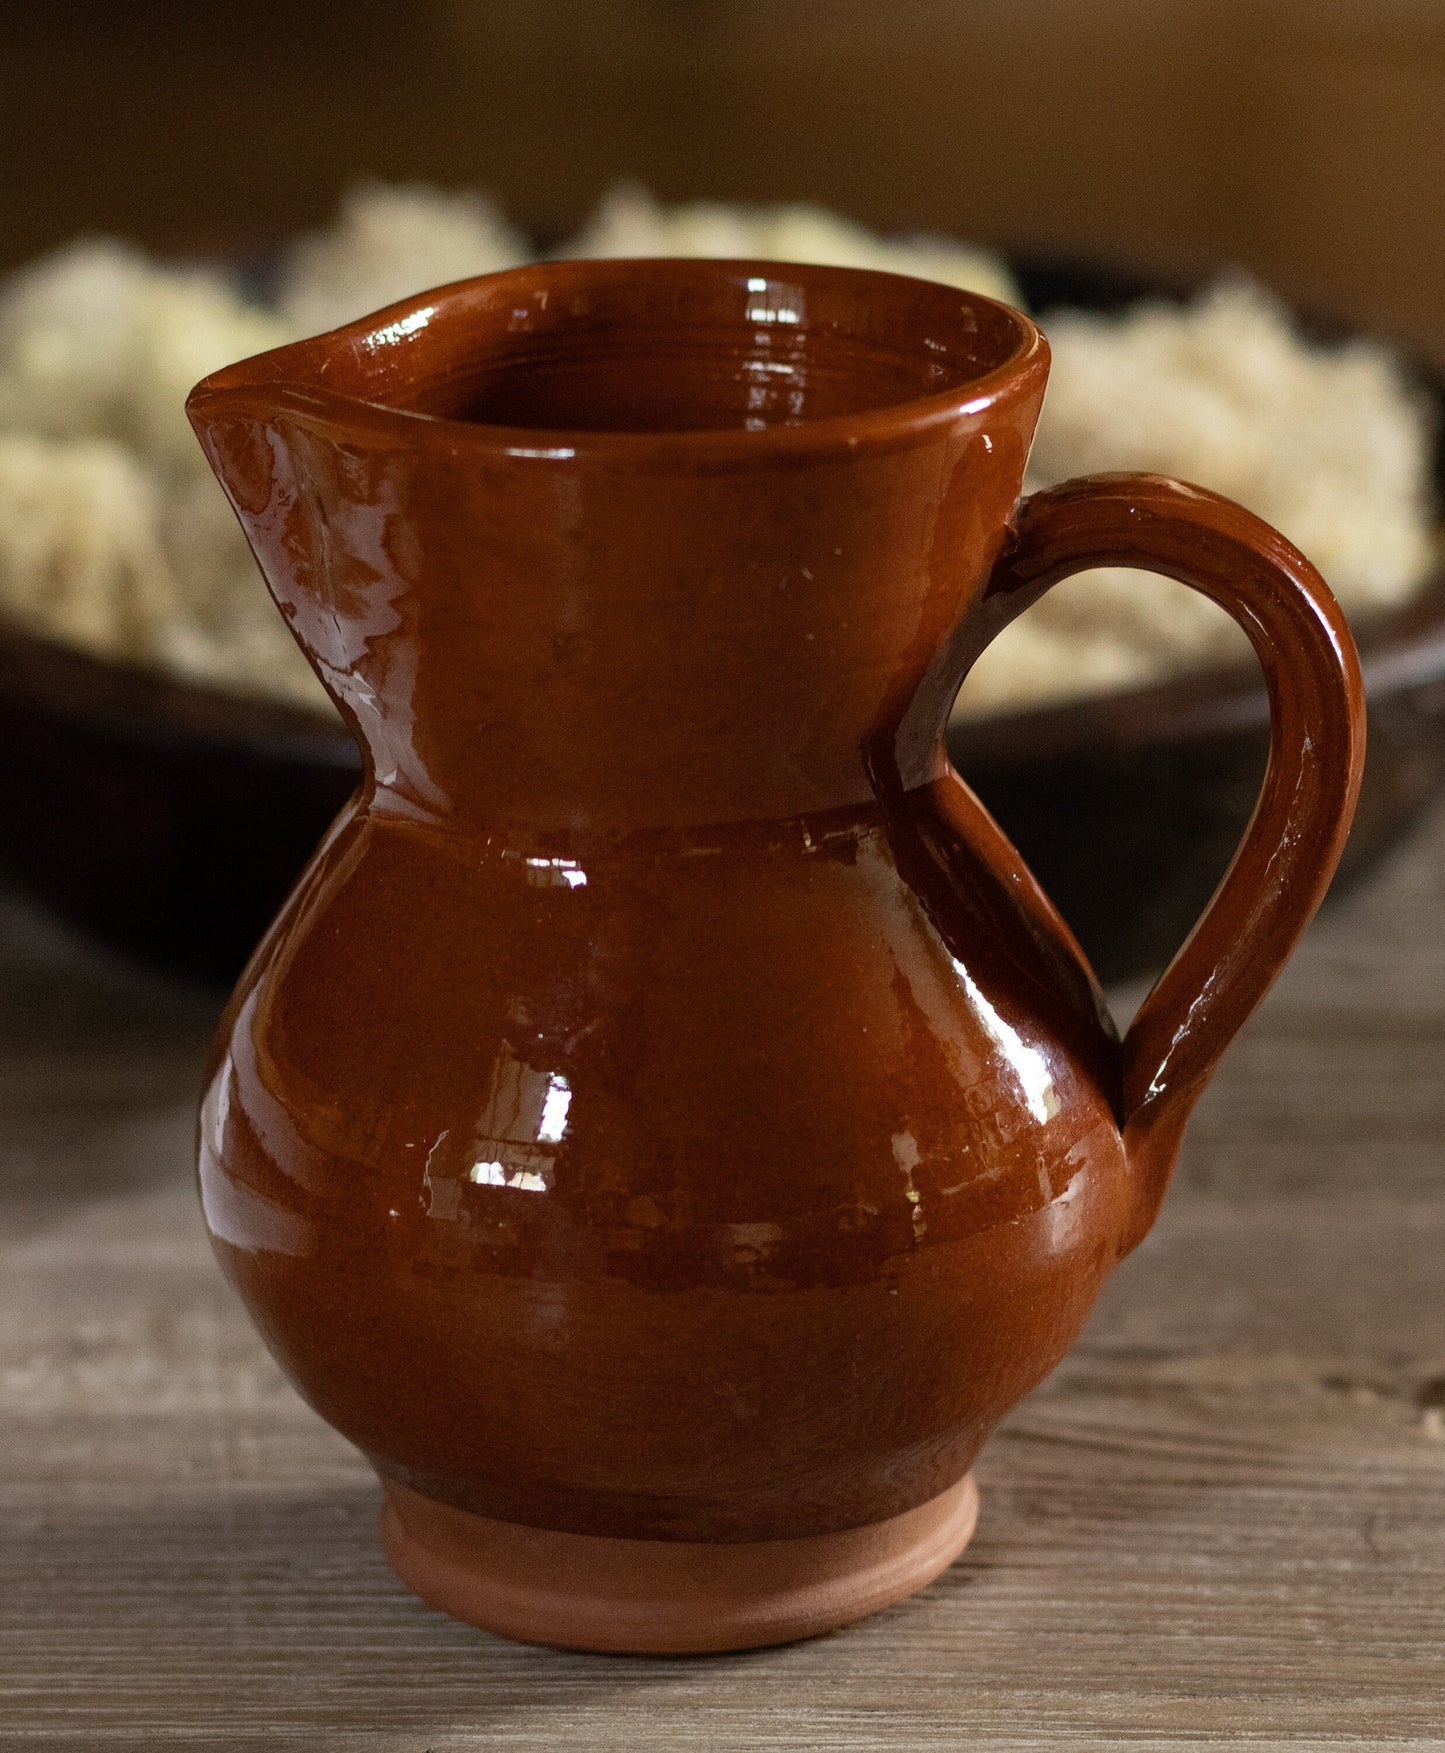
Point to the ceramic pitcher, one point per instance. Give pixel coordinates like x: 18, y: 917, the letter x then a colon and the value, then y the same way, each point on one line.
x: 667, y: 1126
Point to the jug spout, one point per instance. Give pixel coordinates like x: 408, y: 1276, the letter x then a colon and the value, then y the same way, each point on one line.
x: 329, y: 525
x: 608, y: 546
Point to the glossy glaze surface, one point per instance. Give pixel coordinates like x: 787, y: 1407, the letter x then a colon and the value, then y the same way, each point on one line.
x: 704, y: 1128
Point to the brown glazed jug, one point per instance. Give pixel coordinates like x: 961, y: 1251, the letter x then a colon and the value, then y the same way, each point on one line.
x: 667, y: 1127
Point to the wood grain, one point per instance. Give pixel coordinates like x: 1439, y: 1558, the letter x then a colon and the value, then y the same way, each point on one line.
x: 1221, y: 1523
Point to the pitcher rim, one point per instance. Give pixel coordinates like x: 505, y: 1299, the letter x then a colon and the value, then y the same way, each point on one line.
x: 289, y: 378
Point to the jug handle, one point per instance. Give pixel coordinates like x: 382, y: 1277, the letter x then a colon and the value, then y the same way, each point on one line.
x: 1284, y: 863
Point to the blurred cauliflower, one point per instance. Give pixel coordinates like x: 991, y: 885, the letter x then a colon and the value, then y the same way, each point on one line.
x: 630, y: 223
x: 1327, y: 443
x: 388, y: 242
x: 79, y: 556
x: 113, y: 533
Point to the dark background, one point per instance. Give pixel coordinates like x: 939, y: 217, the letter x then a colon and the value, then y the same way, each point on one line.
x: 1302, y: 138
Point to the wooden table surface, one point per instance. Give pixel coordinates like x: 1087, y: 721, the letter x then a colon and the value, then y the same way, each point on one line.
x: 1221, y: 1523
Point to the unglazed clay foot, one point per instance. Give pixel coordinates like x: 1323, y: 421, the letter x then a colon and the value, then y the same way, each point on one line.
x: 665, y: 1597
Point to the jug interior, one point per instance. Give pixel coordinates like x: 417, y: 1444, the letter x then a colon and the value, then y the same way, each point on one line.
x: 694, y: 346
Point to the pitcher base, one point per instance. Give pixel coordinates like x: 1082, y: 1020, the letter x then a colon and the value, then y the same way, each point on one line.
x: 665, y: 1597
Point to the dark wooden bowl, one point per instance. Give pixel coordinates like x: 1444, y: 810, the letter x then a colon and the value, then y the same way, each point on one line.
x: 170, y: 820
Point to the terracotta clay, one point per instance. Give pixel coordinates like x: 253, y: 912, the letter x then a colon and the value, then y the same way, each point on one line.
x: 667, y: 1127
